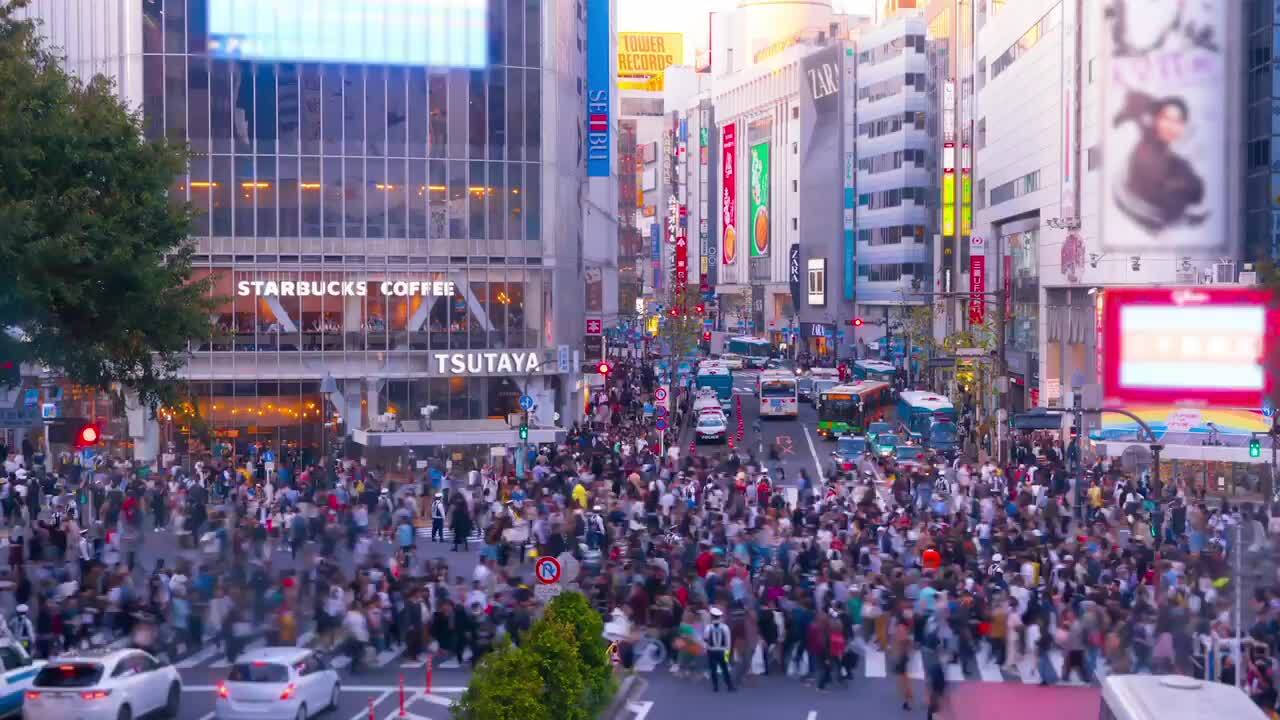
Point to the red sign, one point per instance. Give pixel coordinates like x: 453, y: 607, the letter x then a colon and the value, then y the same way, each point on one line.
x: 977, y: 284
x: 1196, y: 345
x: 682, y: 257
x: 595, y: 326
x: 547, y: 570
x: 728, y: 193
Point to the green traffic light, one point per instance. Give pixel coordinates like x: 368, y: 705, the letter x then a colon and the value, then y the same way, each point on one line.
x: 524, y: 432
x: 1255, y: 448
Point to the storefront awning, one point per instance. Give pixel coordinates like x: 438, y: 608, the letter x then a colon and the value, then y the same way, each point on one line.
x: 456, y: 432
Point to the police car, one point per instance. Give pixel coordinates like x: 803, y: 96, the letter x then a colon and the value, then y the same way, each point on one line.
x: 18, y: 672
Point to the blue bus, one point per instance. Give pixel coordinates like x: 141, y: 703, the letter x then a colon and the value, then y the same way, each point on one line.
x: 717, y: 378
x: 874, y: 370
x: 932, y: 417
x: 755, y: 351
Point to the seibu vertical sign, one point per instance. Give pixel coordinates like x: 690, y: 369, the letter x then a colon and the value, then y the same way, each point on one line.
x: 977, y: 280
x: 729, y: 192
x: 599, y: 75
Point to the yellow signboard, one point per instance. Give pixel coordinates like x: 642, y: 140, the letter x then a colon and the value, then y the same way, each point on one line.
x: 644, y: 55
x: 648, y: 84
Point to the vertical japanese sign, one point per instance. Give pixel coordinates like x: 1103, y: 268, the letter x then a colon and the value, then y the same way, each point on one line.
x: 599, y: 77
x: 850, y: 173
x: 758, y: 202
x: 655, y: 234
x: 682, y: 250
x: 977, y: 280
x: 729, y: 192
x: 1070, y: 107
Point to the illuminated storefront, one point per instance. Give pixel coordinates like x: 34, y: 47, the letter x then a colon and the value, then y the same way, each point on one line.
x: 369, y: 209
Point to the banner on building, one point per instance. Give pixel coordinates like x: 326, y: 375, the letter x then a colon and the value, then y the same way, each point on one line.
x: 793, y: 274
x: 977, y: 280
x: 1168, y: 110
x: 647, y: 54
x: 758, y: 199
x: 729, y: 193
x: 599, y: 148
x: 850, y: 174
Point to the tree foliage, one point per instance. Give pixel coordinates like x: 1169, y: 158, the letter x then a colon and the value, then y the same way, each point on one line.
x: 683, y: 331
x: 98, y: 265
x: 559, y: 671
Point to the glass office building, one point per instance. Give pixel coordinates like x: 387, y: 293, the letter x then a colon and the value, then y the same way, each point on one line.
x: 372, y: 182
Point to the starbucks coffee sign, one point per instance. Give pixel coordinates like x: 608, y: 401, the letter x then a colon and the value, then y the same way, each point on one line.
x: 485, y: 363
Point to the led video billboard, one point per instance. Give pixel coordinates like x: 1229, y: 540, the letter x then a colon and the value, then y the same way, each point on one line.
x: 438, y: 33
x: 1187, y: 345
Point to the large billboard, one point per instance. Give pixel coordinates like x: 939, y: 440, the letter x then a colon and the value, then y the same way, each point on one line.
x: 646, y: 55
x: 599, y: 76
x: 1187, y: 345
x: 758, y: 198
x: 437, y: 33
x: 729, y: 193
x: 1168, y: 108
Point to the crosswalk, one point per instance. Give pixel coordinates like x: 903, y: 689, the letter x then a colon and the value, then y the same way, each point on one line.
x: 874, y: 664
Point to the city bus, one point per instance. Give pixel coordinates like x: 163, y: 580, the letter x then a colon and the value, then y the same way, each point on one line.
x: 807, y: 383
x: 777, y: 392
x: 717, y: 378
x: 874, y: 370
x: 754, y: 350
x: 918, y: 410
x: 848, y: 409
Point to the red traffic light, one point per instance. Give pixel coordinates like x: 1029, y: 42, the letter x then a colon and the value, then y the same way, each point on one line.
x: 603, y: 368
x: 700, y: 308
x: 88, y: 436
x: 706, y: 336
x: 856, y: 322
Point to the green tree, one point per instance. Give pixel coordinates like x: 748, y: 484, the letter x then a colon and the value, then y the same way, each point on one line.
x: 96, y: 256
x: 683, y: 330
x: 574, y: 610
x: 506, y: 686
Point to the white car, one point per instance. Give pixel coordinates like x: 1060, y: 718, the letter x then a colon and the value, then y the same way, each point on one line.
x: 16, y: 676
x: 103, y: 685
x: 711, y: 425
x: 732, y: 361
x: 289, y: 683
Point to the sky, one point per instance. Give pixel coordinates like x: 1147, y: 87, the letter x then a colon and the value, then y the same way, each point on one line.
x: 690, y: 17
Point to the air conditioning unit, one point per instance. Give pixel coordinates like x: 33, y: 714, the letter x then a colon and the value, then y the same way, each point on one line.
x: 1224, y: 273
x: 1185, y: 278
x: 1248, y: 277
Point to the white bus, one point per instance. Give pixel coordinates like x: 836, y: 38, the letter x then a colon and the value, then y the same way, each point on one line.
x: 1173, y: 697
x: 777, y: 392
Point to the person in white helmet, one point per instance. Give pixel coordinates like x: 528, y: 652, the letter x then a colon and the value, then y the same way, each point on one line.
x: 21, y: 628
x: 718, y: 640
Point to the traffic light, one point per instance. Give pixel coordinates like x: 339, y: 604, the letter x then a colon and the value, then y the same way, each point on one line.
x: 604, y: 369
x: 10, y: 373
x: 1255, y: 447
x: 706, y: 336
x: 524, y: 432
x: 700, y: 308
x: 87, y: 436
x: 856, y: 322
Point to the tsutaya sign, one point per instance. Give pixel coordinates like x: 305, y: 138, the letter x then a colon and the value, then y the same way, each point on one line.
x: 352, y: 288
x: 482, y: 363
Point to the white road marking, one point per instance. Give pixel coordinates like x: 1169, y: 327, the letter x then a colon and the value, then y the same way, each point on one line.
x: 915, y: 666
x: 254, y: 645
x: 813, y: 715
x: 387, y: 689
x: 387, y: 656
x: 875, y: 662
x: 817, y: 464
x: 641, y: 708
x: 199, y: 657
x: 364, y: 711
x: 207, y: 716
x: 955, y: 673
x: 989, y: 670
x: 340, y: 661
x: 434, y: 699
x: 305, y: 638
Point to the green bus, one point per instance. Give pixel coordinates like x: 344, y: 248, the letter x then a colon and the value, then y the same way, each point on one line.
x: 848, y: 409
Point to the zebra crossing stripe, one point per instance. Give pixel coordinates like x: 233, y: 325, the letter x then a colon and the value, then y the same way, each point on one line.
x: 254, y: 645
x: 873, y: 660
x: 199, y: 657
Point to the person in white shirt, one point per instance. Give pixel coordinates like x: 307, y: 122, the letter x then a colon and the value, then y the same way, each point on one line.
x: 718, y: 640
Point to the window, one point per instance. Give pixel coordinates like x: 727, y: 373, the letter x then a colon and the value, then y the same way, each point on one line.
x: 795, y: 112
x: 817, y: 282
x: 982, y: 133
x: 1259, y: 153
x: 1092, y: 63
x: 1029, y: 40
x: 982, y: 202
x: 1024, y: 185
x: 1094, y: 157
x: 13, y: 659
x: 795, y: 223
x: 795, y: 186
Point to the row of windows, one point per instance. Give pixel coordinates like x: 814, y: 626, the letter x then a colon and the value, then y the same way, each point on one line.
x: 892, y: 235
x: 1024, y: 185
x: 891, y: 86
x: 224, y: 106
x: 891, y: 161
x: 892, y: 49
x: 894, y: 197
x: 488, y: 309
x: 890, y: 272
x: 288, y: 196
x: 1029, y: 39
x: 889, y: 125
x: 177, y: 27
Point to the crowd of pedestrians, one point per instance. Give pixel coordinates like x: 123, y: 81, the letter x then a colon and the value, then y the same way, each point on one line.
x: 706, y: 560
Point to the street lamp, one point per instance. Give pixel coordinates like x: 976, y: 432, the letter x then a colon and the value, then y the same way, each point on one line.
x: 328, y: 387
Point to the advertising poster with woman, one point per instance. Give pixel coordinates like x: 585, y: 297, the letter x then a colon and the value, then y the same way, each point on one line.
x: 729, y: 193
x: 1166, y: 117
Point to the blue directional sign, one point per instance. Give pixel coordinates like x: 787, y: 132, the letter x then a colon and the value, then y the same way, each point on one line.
x: 526, y: 403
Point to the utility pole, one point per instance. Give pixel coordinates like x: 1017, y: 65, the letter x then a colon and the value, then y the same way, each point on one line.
x: 1001, y: 368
